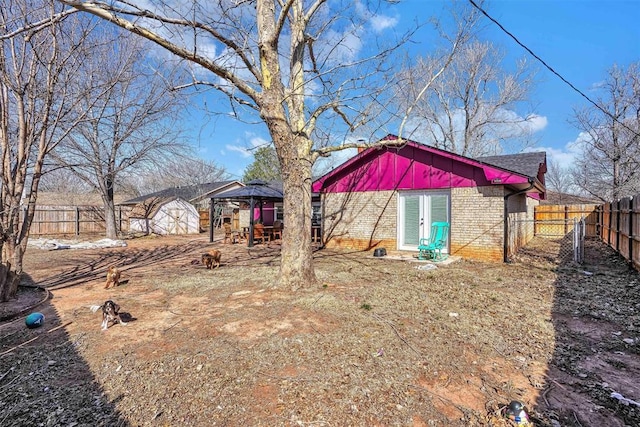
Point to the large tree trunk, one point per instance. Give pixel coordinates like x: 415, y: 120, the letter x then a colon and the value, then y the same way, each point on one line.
x: 111, y: 229
x: 10, y: 275
x: 296, y: 268
x: 293, y: 146
x: 9, y: 282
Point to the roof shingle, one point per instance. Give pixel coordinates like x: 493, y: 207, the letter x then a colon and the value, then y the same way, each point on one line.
x: 189, y: 192
x: 527, y: 164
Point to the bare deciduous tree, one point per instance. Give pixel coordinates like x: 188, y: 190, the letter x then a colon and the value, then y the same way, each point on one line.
x: 299, y: 65
x: 174, y: 172
x: 192, y: 171
x: 42, y: 55
x: 62, y: 180
x: 131, y: 117
x: 608, y: 167
x: 558, y: 177
x: 471, y: 107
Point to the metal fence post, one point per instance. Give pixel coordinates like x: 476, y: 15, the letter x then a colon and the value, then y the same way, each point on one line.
x: 575, y: 241
x: 77, y: 221
x: 579, y: 231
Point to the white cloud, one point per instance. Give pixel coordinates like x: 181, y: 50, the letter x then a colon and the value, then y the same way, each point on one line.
x: 534, y: 123
x: 343, y: 44
x: 565, y: 156
x: 560, y: 156
x: 257, y: 141
x: 509, y: 124
x: 238, y: 149
x: 380, y: 23
x: 246, y: 145
x: 582, y: 137
x: 377, y: 21
x: 339, y: 47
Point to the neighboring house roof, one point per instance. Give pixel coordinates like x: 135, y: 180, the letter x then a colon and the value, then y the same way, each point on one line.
x: 412, y: 165
x: 256, y: 189
x: 555, y: 198
x: 191, y: 193
x: 151, y: 206
x: 259, y: 190
x: 51, y: 198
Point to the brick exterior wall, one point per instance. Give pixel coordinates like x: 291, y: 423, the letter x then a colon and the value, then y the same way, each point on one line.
x: 360, y: 220
x: 477, y: 226
x: 363, y: 220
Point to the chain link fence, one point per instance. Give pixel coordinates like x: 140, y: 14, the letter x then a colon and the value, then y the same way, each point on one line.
x: 557, y: 240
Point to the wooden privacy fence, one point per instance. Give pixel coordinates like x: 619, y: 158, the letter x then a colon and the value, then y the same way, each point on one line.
x: 615, y: 223
x: 558, y: 220
x: 85, y: 220
x: 74, y: 220
x: 567, y: 225
x: 620, y: 228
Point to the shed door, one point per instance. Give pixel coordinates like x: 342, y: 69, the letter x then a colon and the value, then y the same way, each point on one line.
x: 177, y: 221
x: 416, y: 212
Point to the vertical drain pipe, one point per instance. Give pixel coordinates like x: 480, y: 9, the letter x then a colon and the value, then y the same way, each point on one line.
x: 505, y: 245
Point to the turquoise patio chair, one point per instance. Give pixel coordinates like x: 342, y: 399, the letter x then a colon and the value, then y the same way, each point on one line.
x: 431, y: 248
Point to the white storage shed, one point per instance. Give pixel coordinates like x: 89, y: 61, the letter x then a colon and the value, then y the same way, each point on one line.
x: 164, y: 216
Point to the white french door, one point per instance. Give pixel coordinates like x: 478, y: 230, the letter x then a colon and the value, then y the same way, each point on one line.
x: 416, y: 212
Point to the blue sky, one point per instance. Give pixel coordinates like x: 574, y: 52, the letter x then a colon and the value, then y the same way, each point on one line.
x: 580, y: 39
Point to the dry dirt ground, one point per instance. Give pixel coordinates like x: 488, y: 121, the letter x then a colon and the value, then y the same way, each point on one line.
x: 376, y: 342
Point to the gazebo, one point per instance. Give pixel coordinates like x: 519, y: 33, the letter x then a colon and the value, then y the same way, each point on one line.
x: 256, y: 191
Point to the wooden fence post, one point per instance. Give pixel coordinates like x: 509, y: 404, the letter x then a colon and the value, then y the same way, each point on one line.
x: 632, y: 237
x: 618, y: 228
x: 609, y: 222
x: 599, y: 221
x: 77, y: 221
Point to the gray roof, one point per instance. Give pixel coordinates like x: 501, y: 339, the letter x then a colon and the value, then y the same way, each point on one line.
x: 555, y: 198
x: 527, y: 164
x: 188, y: 192
x: 256, y: 189
x: 150, y: 207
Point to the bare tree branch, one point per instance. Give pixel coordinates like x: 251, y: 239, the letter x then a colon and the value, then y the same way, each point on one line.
x: 37, y: 26
x: 41, y: 82
x: 470, y: 108
x: 109, y: 13
x: 610, y: 142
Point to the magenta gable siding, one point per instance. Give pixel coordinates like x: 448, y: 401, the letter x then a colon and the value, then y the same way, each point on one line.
x: 370, y: 179
x: 412, y: 166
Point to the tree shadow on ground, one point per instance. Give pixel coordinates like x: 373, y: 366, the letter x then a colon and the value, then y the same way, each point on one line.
x: 130, y: 261
x: 44, y: 381
x: 82, y: 271
x: 596, y: 319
